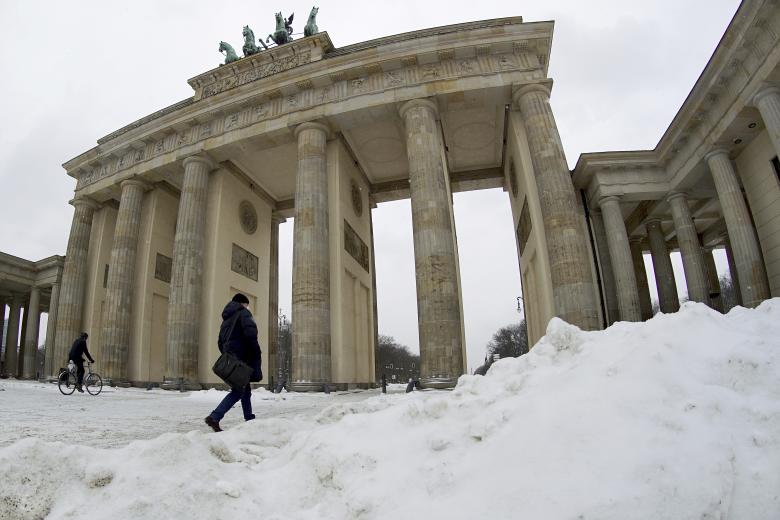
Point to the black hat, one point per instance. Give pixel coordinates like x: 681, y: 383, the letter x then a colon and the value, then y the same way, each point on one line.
x: 240, y: 298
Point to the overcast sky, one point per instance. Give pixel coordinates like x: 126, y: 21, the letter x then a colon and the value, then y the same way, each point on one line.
x: 73, y: 72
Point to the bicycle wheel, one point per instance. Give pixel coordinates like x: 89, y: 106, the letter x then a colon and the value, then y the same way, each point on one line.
x: 66, y: 382
x: 94, y: 383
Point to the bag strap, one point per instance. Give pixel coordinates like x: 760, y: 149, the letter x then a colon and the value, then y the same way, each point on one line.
x: 232, y: 326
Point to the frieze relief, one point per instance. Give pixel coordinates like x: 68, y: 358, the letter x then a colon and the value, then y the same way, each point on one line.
x: 263, y: 71
x: 277, y: 105
x: 243, y: 262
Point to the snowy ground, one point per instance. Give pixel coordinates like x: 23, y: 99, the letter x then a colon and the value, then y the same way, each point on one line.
x: 675, y: 418
x: 120, y: 415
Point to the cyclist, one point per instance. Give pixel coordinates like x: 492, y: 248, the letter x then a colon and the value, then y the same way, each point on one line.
x: 77, y: 351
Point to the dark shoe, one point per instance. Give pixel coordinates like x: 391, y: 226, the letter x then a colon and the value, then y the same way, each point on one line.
x: 213, y: 423
x: 249, y: 418
x: 79, y: 388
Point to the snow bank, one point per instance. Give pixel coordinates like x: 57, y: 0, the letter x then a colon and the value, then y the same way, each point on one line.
x: 675, y: 418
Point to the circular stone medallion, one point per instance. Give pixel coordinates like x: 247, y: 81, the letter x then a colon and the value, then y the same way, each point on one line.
x: 248, y: 217
x: 357, y: 197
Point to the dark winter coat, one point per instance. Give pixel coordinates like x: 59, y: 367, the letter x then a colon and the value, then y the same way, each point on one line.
x: 78, y: 350
x: 242, y: 342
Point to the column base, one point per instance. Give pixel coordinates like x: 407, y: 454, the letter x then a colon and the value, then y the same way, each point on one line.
x: 181, y: 385
x: 311, y: 386
x: 438, y: 382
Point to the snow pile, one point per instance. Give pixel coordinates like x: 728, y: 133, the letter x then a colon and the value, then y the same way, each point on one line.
x: 675, y: 418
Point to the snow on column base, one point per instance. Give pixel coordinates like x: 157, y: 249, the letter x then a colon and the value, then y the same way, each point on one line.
x: 438, y: 382
x: 180, y: 385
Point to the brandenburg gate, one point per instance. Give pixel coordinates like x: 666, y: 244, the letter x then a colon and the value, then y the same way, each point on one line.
x: 179, y: 210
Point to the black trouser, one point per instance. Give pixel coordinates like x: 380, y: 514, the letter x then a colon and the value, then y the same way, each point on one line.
x: 79, y: 371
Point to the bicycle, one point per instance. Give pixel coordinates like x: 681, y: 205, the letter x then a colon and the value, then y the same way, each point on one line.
x: 66, y: 381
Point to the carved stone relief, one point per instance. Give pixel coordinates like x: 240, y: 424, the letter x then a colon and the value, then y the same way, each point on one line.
x: 355, y: 246
x: 244, y: 262
x: 248, y: 217
x: 524, y: 227
x: 162, y: 268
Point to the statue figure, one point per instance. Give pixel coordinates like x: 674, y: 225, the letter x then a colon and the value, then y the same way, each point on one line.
x: 311, y: 24
x: 230, y: 53
x: 249, y: 42
x: 283, y: 32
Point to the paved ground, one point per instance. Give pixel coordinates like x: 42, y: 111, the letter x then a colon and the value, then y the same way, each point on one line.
x: 120, y: 415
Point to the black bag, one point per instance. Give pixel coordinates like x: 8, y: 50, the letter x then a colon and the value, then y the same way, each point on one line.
x: 228, y: 367
x: 232, y: 370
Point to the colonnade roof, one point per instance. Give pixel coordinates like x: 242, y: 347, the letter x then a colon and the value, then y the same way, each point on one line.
x: 18, y: 275
x: 718, y: 112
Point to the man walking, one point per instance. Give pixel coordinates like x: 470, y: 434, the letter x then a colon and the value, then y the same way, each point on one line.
x: 238, y: 336
x: 76, y: 354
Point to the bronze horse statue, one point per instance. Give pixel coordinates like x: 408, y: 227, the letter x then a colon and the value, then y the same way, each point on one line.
x: 283, y: 32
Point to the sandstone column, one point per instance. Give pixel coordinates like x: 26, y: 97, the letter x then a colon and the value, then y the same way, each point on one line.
x: 74, y: 277
x: 50, y: 361
x: 768, y: 103
x: 747, y: 253
x: 607, y: 274
x: 117, y: 313
x: 29, y: 363
x: 2, y: 335
x: 181, y: 370
x: 311, y: 263
x: 622, y: 263
x: 690, y: 249
x: 438, y: 292
x: 12, y: 336
x: 732, y: 269
x: 668, y: 300
x: 645, y: 305
x: 574, y: 294
x: 712, y: 279
x: 22, y: 336
x: 273, y: 300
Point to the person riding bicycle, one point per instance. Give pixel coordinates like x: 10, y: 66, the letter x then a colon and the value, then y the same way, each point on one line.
x: 77, y: 351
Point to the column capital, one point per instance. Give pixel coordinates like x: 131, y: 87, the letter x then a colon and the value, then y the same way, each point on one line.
x: 653, y: 221
x: 544, y: 87
x: 200, y: 158
x: 276, y: 218
x: 635, y: 239
x: 719, y: 151
x: 420, y: 102
x: 608, y: 199
x: 314, y: 125
x: 84, y: 201
x: 766, y: 91
x: 673, y: 195
x: 136, y: 181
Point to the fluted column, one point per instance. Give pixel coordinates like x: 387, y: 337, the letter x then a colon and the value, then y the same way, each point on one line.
x: 645, y: 305
x: 622, y: 263
x: 273, y: 299
x: 668, y: 300
x: 690, y: 249
x: 181, y: 347
x: 732, y: 269
x: 311, y: 263
x: 2, y: 334
x: 29, y: 363
x: 74, y: 278
x: 574, y: 294
x: 747, y: 252
x: 12, y: 336
x: 50, y: 362
x: 767, y: 101
x: 716, y: 302
x: 607, y: 274
x: 436, y: 267
x: 117, y: 313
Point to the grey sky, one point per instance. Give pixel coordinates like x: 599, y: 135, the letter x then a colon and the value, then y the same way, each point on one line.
x: 75, y: 71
